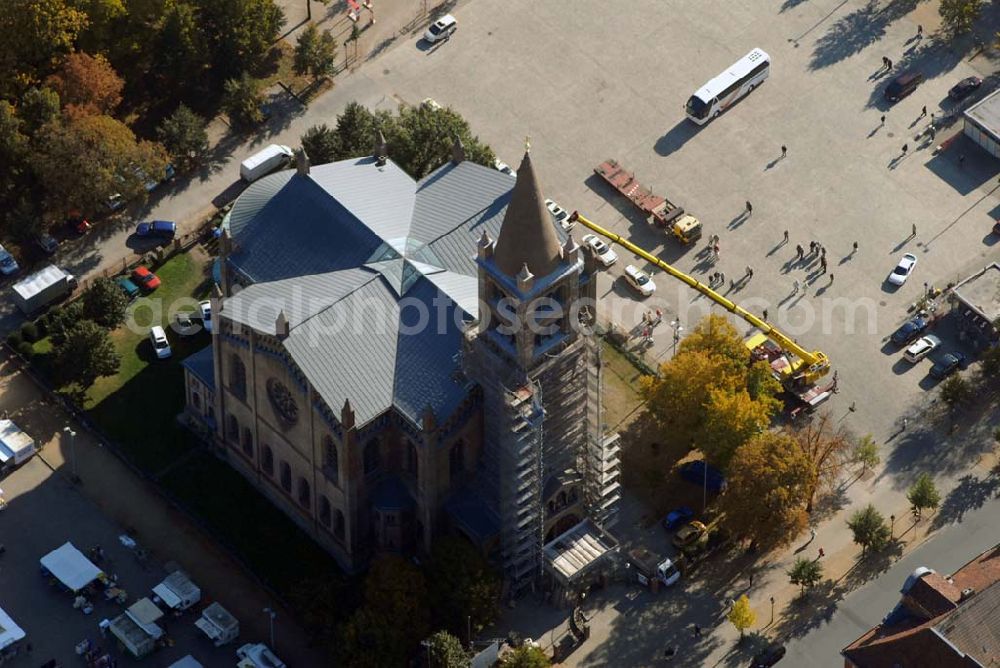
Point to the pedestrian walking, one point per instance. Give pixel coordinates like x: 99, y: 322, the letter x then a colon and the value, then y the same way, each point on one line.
x: 923, y: 111
x: 749, y: 272
x: 961, y: 160
x: 920, y: 31
x: 883, y: 121
x: 715, y: 249
x: 821, y: 553
x: 836, y: 374
x: 749, y: 208
x: 786, y: 236
x: 885, y: 62
x: 932, y: 132
x: 906, y: 147
x: 812, y: 533
x: 888, y: 63
x: 822, y: 252
x: 795, y: 287
x: 765, y: 314
x: 784, y: 150
x: 855, y: 249
x: 822, y: 264
x: 831, y: 279
x: 722, y: 278
x: 932, y: 120
x: 913, y: 232
x: 798, y: 251
x: 853, y: 407
x: 697, y: 631
x: 812, y: 247
x: 905, y: 422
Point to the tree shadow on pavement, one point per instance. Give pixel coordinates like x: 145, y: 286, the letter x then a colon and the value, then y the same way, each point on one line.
x: 808, y: 611
x: 970, y: 493
x: 856, y: 31
x: 830, y: 502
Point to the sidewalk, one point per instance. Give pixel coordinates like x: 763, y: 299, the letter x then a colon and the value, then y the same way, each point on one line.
x: 133, y: 503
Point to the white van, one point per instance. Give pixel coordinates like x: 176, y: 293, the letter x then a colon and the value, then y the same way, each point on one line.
x: 264, y: 162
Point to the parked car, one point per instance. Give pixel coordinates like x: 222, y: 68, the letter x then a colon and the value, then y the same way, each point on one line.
x: 163, y: 229
x: 965, y: 88
x: 700, y: 473
x: 130, y: 289
x: 639, y: 280
x: 145, y: 279
x: 948, y: 364
x: 502, y: 166
x: 205, y: 308
x: 8, y: 265
x: 560, y: 214
x: 903, y: 85
x: 186, y: 324
x: 77, y: 223
x: 602, y: 251
x: 432, y: 104
x: 921, y: 348
x: 161, y: 346
x: 768, y: 656
x: 689, y: 534
x: 47, y: 243
x: 677, y: 517
x: 903, y: 270
x: 153, y: 184
x: 909, y: 330
x: 441, y: 29
x: 115, y: 202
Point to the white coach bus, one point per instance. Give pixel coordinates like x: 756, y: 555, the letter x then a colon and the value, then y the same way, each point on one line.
x: 724, y: 90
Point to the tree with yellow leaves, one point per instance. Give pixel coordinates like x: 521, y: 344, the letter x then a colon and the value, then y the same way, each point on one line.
x: 741, y: 615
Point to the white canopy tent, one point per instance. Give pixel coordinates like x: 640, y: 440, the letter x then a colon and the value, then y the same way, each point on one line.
x: 68, y: 565
x: 187, y: 662
x: 10, y: 632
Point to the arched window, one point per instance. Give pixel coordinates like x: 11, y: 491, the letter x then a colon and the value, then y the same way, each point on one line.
x: 325, y: 512
x: 456, y: 460
x: 267, y: 460
x: 331, y: 462
x: 412, y: 460
x: 372, y: 457
x: 233, y: 429
x: 338, y: 524
x: 304, y: 493
x: 247, y: 442
x: 237, y: 377
x: 286, y: 477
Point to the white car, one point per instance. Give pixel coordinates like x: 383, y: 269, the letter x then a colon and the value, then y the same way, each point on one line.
x: 639, y: 280
x: 258, y: 655
x: 602, y: 251
x: 206, y: 315
x: 560, y: 214
x: 160, y: 344
x: 432, y: 104
x: 903, y: 269
x: 441, y: 29
x: 921, y: 348
x: 502, y: 166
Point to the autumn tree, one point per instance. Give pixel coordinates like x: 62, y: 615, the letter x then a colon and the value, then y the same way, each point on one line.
x: 741, y: 615
x: 87, y: 84
x: 525, y: 656
x: 866, y: 453
x: 731, y: 419
x: 923, y: 494
x: 717, y: 336
x: 86, y: 354
x: 827, y: 447
x: 85, y: 161
x: 321, y: 144
x: 958, y: 16
x: 315, y: 52
x: 105, y: 303
x: 446, y: 651
x: 392, y: 620
x: 464, y: 589
x: 806, y: 573
x: 869, y: 529
x: 185, y: 137
x: 104, y: 20
x: 767, y: 489
x: 36, y: 34
x: 242, y: 99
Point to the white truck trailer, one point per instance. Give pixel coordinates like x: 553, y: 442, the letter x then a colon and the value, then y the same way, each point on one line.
x: 33, y: 293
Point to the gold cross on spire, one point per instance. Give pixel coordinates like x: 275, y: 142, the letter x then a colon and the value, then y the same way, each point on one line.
x: 527, y: 144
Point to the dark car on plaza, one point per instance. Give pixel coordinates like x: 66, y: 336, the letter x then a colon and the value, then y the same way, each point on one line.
x: 903, y: 85
x: 965, y: 88
x: 768, y: 656
x: 699, y: 473
x: 909, y: 330
x: 948, y: 364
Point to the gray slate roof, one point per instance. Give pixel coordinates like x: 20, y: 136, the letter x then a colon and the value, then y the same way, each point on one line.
x: 353, y: 253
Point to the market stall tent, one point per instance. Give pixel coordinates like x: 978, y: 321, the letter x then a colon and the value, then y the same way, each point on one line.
x: 136, y: 628
x: 187, y: 662
x: 68, y: 565
x: 10, y: 632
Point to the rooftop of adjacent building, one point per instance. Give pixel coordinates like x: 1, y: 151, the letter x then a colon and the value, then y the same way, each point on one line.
x: 982, y: 291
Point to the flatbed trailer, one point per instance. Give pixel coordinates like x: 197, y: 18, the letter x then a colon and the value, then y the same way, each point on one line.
x: 685, y: 227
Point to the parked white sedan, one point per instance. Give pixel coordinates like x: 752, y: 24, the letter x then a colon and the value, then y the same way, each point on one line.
x: 602, y: 251
x: 921, y: 348
x: 903, y: 269
x: 639, y: 280
x: 560, y: 214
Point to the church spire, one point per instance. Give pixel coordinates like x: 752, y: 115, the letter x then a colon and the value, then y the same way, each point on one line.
x: 528, y: 234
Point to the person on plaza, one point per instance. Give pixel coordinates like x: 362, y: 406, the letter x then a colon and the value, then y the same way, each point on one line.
x: 883, y: 121
x: 786, y: 236
x: 799, y: 252
x: 831, y: 279
x: 722, y: 278
x: 821, y: 553
x: 923, y: 111
x: 906, y: 147
x: 749, y: 208
x: 784, y: 150
x: 795, y: 287
x: 920, y: 31
x: 855, y: 250
x: 764, y: 314
x: 913, y: 231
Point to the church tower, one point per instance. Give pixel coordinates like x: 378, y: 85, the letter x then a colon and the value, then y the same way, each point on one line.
x: 544, y: 467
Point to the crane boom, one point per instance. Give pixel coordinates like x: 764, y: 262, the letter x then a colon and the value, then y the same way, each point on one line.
x: 817, y: 363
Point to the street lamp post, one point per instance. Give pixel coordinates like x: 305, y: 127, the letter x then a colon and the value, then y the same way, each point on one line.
x: 271, y: 614
x: 72, y: 449
x: 772, y: 611
x: 678, y: 328
x: 892, y: 527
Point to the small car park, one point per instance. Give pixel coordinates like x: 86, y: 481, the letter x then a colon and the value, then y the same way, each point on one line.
x: 47, y: 243
x: 909, y: 330
x: 441, y: 29
x: 677, y: 517
x: 8, y: 265
x: 947, y: 365
x: 158, y: 338
x: 560, y: 214
x: 145, y: 279
x: 602, y: 251
x: 903, y: 270
x: 965, y: 88
x: 639, y: 280
x: 205, y: 309
x: 130, y: 289
x: 921, y: 348
x: 161, y: 229
x: 903, y: 85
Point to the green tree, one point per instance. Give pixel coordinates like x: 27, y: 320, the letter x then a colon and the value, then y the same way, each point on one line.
x: 767, y: 489
x: 388, y: 627
x: 239, y: 32
x: 13, y: 142
x: 104, y: 19
x: 315, y: 53
x: 741, y: 615
x: 86, y: 353
x: 356, y: 128
x: 37, y: 33
x: 464, y: 590
x: 83, y: 162
x: 866, y: 453
x: 806, y: 573
x: 87, y: 84
x: 185, y: 137
x: 62, y: 319
x: 957, y: 16
x: 241, y: 100
x: 989, y: 364
x: 870, y: 529
x: 39, y: 106
x: 526, y: 656
x: 956, y: 390
x: 422, y: 138
x: 182, y: 49
x: 321, y: 144
x: 923, y: 494
x: 105, y: 303
x: 447, y: 652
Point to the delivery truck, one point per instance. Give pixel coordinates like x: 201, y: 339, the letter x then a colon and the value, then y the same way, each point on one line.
x: 37, y: 291
x: 264, y: 162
